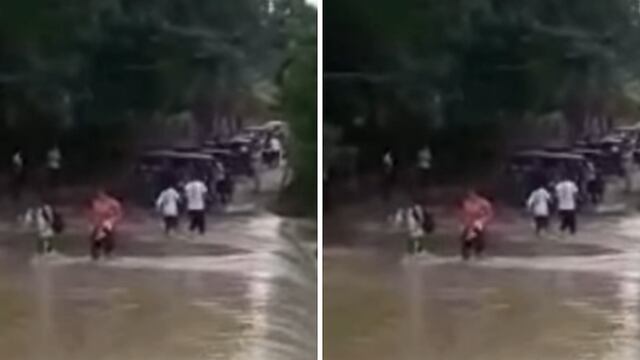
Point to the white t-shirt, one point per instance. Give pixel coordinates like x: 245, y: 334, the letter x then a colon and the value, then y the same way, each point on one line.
x: 54, y: 158
x: 424, y: 158
x: 539, y: 201
x: 195, y: 192
x: 275, y: 145
x: 168, y: 201
x: 567, y: 191
x: 42, y: 218
x: 17, y: 160
x: 387, y: 161
x: 413, y: 224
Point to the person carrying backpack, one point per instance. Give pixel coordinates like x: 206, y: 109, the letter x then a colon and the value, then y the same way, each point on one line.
x: 47, y: 222
x: 419, y: 223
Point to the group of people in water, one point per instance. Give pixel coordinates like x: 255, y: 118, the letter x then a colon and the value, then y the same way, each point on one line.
x: 476, y: 212
x: 106, y: 212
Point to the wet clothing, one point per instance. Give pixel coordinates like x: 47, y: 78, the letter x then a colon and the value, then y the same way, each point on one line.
x: 168, y: 201
x: 476, y: 214
x: 476, y: 211
x: 539, y: 202
x: 541, y: 223
x: 197, y: 221
x: 195, y: 193
x: 43, y: 219
x: 473, y: 241
x: 105, y: 214
x: 568, y: 221
x: 170, y: 223
x: 567, y: 193
x: 102, y: 242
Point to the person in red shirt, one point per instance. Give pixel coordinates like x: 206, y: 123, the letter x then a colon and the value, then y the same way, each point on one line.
x: 476, y: 214
x: 106, y: 212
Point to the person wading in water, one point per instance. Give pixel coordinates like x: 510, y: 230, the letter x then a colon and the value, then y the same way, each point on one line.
x: 477, y: 212
x: 106, y: 212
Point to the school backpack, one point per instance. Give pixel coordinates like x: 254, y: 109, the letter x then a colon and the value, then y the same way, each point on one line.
x: 425, y: 218
x: 57, y: 223
x: 428, y: 224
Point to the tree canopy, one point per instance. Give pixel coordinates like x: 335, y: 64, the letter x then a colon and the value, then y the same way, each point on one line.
x: 465, y: 73
x: 91, y: 73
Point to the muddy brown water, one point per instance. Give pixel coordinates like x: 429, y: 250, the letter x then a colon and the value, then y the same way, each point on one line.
x: 429, y: 309
x: 245, y: 291
x: 559, y: 298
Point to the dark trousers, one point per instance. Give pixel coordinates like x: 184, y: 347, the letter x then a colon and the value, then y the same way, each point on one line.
x: 415, y: 244
x: 568, y: 221
x: 44, y: 245
x: 197, y: 221
x: 170, y: 224
x: 425, y: 177
x: 104, y: 244
x: 224, y: 188
x: 388, y: 183
x: 475, y: 244
x: 54, y: 177
x: 542, y: 223
x: 18, y: 180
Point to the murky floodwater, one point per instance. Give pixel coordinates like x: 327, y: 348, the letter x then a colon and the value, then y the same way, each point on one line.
x: 246, y: 291
x: 512, y: 305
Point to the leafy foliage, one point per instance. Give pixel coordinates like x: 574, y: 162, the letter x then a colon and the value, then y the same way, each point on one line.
x: 92, y: 73
x: 463, y: 72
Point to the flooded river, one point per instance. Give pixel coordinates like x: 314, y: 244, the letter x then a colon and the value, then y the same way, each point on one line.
x: 546, y: 305
x: 245, y: 292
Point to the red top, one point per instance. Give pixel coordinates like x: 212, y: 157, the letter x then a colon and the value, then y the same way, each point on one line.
x: 476, y: 211
x: 105, y: 212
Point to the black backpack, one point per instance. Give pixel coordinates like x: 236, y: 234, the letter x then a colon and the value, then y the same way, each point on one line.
x: 55, y: 219
x: 426, y: 219
x: 57, y: 224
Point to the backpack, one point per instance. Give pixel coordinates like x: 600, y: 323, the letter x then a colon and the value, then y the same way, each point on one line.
x: 57, y: 222
x: 425, y: 219
x: 428, y: 224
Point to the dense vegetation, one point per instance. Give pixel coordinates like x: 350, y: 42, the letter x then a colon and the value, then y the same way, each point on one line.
x: 96, y: 74
x: 466, y: 75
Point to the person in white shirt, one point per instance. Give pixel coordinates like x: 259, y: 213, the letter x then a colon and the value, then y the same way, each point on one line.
x: 18, y: 178
x: 424, y: 165
x: 388, y: 169
x: 567, y: 193
x: 196, y: 193
x: 54, y: 164
x: 538, y: 204
x: 41, y: 217
x: 168, y: 205
x: 276, y: 148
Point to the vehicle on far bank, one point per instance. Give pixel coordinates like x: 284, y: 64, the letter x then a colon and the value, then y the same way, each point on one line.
x: 527, y: 168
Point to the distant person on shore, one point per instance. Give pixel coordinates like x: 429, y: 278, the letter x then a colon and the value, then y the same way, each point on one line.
x: 18, y: 175
x: 424, y: 165
x: 595, y: 184
x: 388, y: 174
x: 54, y: 166
x: 539, y: 204
x: 477, y: 212
x: 224, y: 184
x: 196, y: 194
x: 168, y: 204
x: 106, y: 213
x: 567, y: 194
